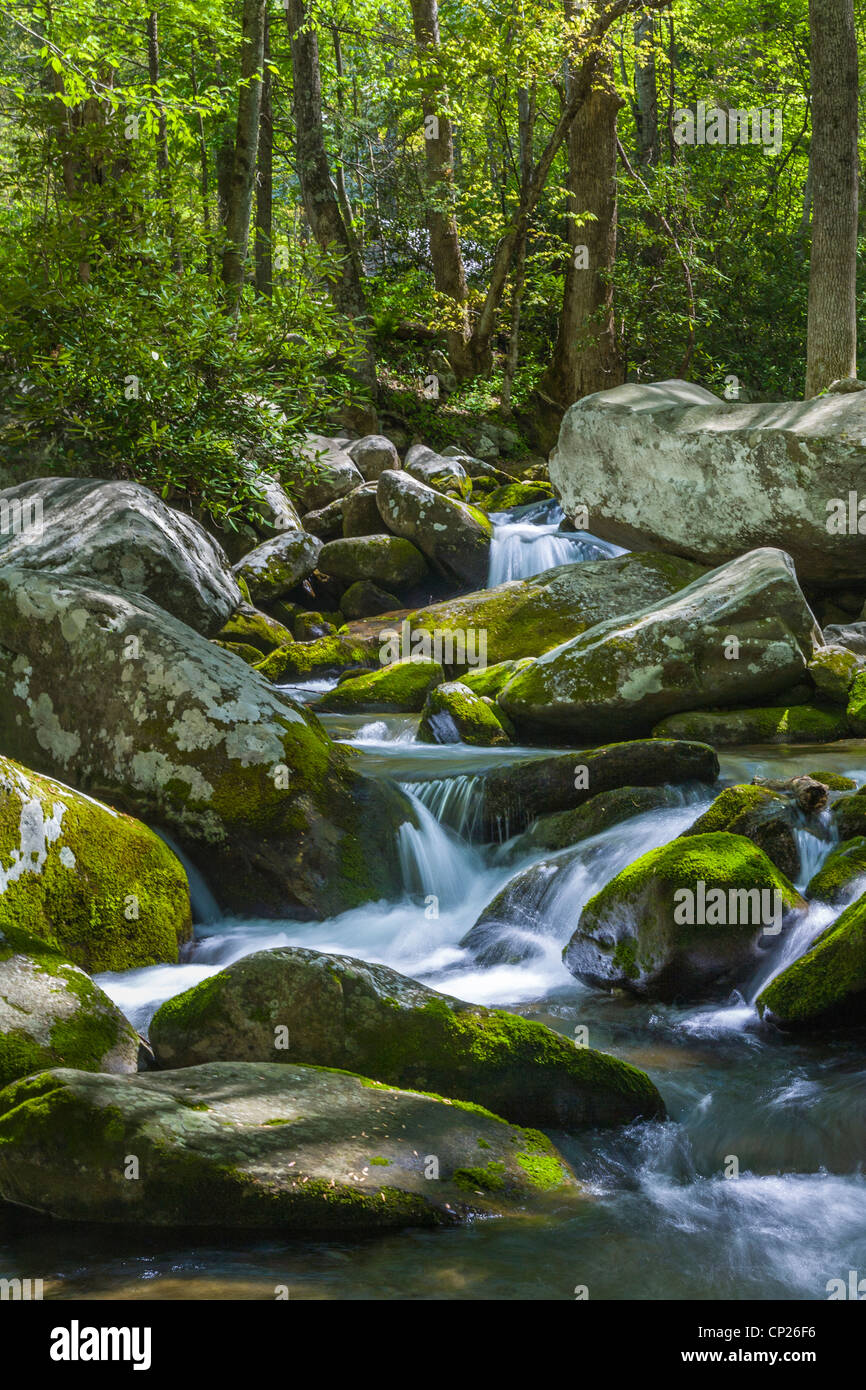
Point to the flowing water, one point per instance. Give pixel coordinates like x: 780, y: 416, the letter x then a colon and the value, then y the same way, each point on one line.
x: 661, y: 1215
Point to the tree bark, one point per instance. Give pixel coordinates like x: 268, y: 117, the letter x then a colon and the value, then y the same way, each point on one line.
x: 265, y: 183
x: 831, y: 351
x: 240, y: 187
x: 646, y: 91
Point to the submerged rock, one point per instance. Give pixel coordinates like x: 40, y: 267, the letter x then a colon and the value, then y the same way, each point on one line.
x: 53, y: 1015
x: 342, y: 1012
x: 263, y: 1146
x: 826, y: 987
x: 122, y: 534
x: 623, y: 676
x: 453, y: 713
x: 115, y: 696
x: 88, y: 881
x: 684, y: 917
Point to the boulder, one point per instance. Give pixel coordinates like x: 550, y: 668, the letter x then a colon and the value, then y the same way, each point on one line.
x: 443, y: 474
x: 525, y: 617
x: 453, y: 713
x: 517, y: 495
x: 669, y: 465
x: 625, y: 675
x: 327, y: 522
x: 319, y: 473
x: 833, y: 670
x: 361, y: 513
x: 122, y: 534
x: 262, y: 1146
x: 763, y: 816
x: 401, y: 687
x: 316, y: 660
x: 690, y: 915
x: 833, y: 781
x: 852, y: 636
x: 849, y: 813
x: 840, y: 875
x: 454, y: 536
x: 85, y: 879
x: 372, y: 455
x: 387, y: 560
x: 825, y: 987
x: 342, y: 1012
x: 115, y: 696
x: 563, y: 829
x: 274, y: 568
x: 53, y: 1015
x: 254, y: 628
x: 364, y: 599
x: 770, y: 724
x: 308, y: 627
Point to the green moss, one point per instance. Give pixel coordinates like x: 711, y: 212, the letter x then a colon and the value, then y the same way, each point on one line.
x: 326, y: 656
x: 380, y: 1162
x: 730, y: 805
x: 834, y: 780
x: 770, y: 724
x: 827, y: 984
x: 257, y: 630
x: 476, y: 721
x: 489, y: 680
x: 625, y: 957
x: 488, y: 1179
x: 517, y: 495
x: 842, y: 867
x: 401, y: 686
x: 251, y: 655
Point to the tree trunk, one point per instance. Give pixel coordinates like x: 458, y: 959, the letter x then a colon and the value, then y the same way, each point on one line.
x: 265, y: 183
x: 526, y: 104
x: 339, y: 171
x: 832, y: 323
x: 240, y: 188
x: 586, y: 356
x: 448, y: 270
x: 645, y: 91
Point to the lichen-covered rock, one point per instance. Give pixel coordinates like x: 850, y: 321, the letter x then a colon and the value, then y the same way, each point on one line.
x: 763, y: 816
x: 342, y: 1012
x: 833, y: 670
x: 623, y: 676
x: 838, y: 877
x: 53, y: 1015
x: 454, y: 536
x: 825, y: 987
x: 388, y: 560
x: 255, y: 629
x: 88, y: 881
x: 111, y: 694
x: 262, y: 1146
x: 372, y: 455
x: 276, y: 566
x: 319, y: 473
x: 401, y: 687
x: 767, y: 724
x: 121, y: 534
x: 507, y: 798
x: 517, y: 495
x: 443, y: 474
x: 364, y: 599
x: 361, y: 513
x: 669, y: 465
x: 453, y: 713
x: 683, y: 917
x: 525, y: 617
x: 565, y: 828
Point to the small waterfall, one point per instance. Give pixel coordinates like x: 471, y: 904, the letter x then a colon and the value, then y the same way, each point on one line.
x: 205, y: 907
x: 451, y: 801
x: 528, y: 541
x: 815, y: 839
x: 433, y: 860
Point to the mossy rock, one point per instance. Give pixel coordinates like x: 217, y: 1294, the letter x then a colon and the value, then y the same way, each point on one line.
x: 251, y: 655
x: 266, y: 1147
x: 342, y: 1012
x: 763, y: 816
x: 849, y: 813
x: 248, y: 625
x: 636, y: 934
x: 96, y: 885
x: 835, y: 781
x: 391, y: 561
x: 309, y: 626
x: 326, y: 656
x: 856, y: 710
x: 834, y: 669
x: 825, y: 987
x: 453, y: 713
x: 517, y: 495
x: 566, y: 828
x: 401, y: 687
x: 364, y: 599
x: 840, y: 871
x: 770, y: 724
x: 489, y: 680
x: 276, y: 566
x: 53, y: 1015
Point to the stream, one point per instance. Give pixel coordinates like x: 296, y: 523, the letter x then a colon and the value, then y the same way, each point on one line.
x: 660, y: 1218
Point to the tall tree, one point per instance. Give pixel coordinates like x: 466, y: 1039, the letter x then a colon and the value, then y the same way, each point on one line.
x: 831, y: 348
x: 239, y: 192
x: 646, y: 101
x: 265, y: 182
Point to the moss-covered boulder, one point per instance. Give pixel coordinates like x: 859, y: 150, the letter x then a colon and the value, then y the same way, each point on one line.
x: 856, y: 710
x: 454, y: 536
x: 517, y: 495
x: 826, y: 987
x: 248, y: 625
x: 838, y: 877
x: 763, y: 816
x: 453, y: 713
x: 849, y: 813
x: 364, y: 599
x: 361, y: 514
x: 261, y: 1146
x: 401, y: 687
x: 388, y: 560
x: 526, y: 617
x: 251, y: 655
x: 834, y: 781
x: 278, y: 565
x: 443, y: 474
x: 625, y: 675
x: 325, y: 656
x: 341, y: 1012
x: 489, y: 680
x: 127, y: 704
x: 684, y: 917
x: 566, y: 828
x: 53, y: 1015
x: 89, y: 881
x: 834, y: 669
x: 769, y: 724
x: 507, y: 799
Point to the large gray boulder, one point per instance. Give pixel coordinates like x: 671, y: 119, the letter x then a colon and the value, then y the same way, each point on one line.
x: 262, y: 1146
x: 734, y: 636
x: 372, y: 455
x: 342, y: 1012
x: 454, y: 536
x: 319, y: 473
x: 122, y: 534
x: 670, y: 465
x: 277, y: 565
x: 114, y: 696
x: 438, y: 471
x: 390, y: 561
